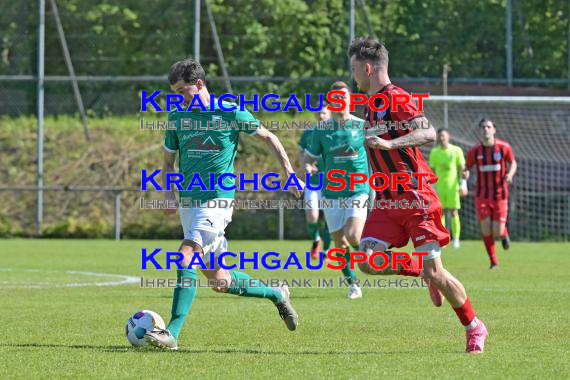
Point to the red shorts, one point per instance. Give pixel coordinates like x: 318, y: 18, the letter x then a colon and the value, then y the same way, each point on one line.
x: 488, y: 208
x: 396, y: 226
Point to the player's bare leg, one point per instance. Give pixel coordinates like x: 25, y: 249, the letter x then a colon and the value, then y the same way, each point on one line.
x: 500, y: 232
x: 489, y: 241
x: 437, y: 275
x: 312, y: 217
x: 370, y: 245
x: 353, y: 231
x: 452, y: 289
x: 341, y: 241
x: 233, y: 282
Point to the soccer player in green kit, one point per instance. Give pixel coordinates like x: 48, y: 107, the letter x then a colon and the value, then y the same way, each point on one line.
x: 448, y: 163
x: 343, y: 148
x: 312, y: 212
x: 207, y: 151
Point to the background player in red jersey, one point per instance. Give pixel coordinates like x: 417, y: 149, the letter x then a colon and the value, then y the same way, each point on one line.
x: 491, y: 158
x: 396, y: 150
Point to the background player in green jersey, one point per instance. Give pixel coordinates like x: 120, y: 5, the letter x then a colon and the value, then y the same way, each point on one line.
x: 207, y: 151
x: 448, y: 163
x: 343, y: 148
x: 312, y: 211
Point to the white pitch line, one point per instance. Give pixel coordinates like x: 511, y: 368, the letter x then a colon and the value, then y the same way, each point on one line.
x: 122, y: 279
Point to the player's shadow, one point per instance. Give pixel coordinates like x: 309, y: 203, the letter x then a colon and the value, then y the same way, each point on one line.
x: 250, y: 351
x: 73, y: 346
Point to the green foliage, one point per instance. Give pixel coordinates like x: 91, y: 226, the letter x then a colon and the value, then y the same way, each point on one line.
x: 294, y: 38
x: 77, y: 228
x: 115, y: 156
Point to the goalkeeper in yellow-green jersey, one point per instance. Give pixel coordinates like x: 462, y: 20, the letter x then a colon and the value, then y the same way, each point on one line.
x: 447, y: 162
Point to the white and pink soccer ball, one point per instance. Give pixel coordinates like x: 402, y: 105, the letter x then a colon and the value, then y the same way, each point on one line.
x: 140, y: 323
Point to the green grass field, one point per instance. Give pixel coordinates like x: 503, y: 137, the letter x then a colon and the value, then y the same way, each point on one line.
x: 54, y: 330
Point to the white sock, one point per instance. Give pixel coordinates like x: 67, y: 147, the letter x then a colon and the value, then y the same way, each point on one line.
x: 474, y: 323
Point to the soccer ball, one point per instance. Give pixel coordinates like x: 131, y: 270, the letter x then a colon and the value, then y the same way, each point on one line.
x: 141, y: 323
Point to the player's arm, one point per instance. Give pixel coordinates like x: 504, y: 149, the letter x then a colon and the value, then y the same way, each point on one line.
x: 510, y: 158
x: 460, y: 162
x: 463, y: 191
x: 168, y: 167
x: 312, y: 152
x: 511, y: 172
x: 256, y: 129
x: 309, y: 163
x: 309, y: 167
x: 279, y: 152
x: 469, y: 163
x: 460, y: 170
x: 171, y: 146
x: 422, y: 133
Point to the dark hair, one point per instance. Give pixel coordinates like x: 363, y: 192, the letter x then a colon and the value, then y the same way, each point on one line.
x: 487, y: 120
x: 187, y: 70
x: 369, y: 49
x: 442, y: 130
x: 340, y: 85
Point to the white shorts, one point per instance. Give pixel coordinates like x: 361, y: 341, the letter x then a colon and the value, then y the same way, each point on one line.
x: 337, y: 216
x: 314, y: 196
x: 206, y: 226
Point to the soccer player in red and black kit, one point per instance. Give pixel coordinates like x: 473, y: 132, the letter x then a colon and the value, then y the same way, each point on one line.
x: 395, y: 150
x: 491, y: 158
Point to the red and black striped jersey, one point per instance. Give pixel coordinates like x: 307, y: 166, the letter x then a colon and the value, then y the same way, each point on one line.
x: 491, y: 162
x: 396, y: 122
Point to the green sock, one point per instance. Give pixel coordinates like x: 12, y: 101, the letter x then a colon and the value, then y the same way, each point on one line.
x: 313, y: 229
x: 346, y: 271
x: 182, y: 302
x: 246, y: 286
x: 455, y: 226
x: 327, y: 238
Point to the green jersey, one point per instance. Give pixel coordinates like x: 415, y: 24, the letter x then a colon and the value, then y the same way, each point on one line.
x: 304, y: 144
x: 207, y: 143
x: 447, y: 164
x: 341, y: 148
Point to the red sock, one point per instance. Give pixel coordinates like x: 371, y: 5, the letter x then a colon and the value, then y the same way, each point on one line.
x: 491, y: 251
x: 505, y: 232
x: 465, y: 313
x: 414, y: 270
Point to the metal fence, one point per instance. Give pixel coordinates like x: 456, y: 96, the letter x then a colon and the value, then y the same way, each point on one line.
x: 56, y: 59
x: 85, y: 77
x: 116, y: 191
x: 279, y: 217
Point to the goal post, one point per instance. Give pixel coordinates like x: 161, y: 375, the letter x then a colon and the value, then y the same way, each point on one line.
x: 538, y: 129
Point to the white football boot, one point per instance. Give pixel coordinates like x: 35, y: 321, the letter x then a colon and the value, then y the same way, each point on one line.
x: 354, y: 292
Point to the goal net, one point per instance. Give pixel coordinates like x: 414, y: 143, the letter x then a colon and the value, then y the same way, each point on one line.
x: 538, y: 129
